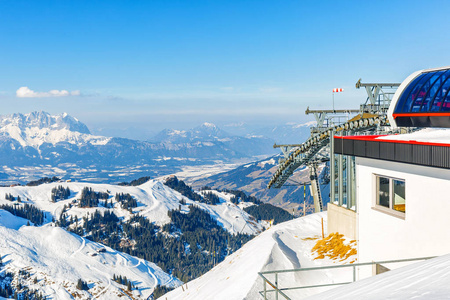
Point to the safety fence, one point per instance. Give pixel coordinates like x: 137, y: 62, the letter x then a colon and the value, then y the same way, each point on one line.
x: 273, y: 289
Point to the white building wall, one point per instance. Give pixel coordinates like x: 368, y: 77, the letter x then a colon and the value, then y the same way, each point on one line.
x: 425, y: 231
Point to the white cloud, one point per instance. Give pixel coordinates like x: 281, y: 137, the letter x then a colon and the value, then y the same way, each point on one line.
x: 25, y: 92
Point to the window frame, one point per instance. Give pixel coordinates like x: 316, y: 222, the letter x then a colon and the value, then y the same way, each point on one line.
x: 388, y: 210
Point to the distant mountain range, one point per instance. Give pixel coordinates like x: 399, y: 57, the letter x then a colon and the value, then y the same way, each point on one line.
x: 204, y: 132
x: 39, y: 144
x: 290, y: 133
x: 287, y: 134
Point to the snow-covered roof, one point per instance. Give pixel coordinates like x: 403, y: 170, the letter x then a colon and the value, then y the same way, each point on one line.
x: 426, y: 136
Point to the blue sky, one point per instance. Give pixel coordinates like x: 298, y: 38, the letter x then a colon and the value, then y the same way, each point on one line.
x: 132, y: 68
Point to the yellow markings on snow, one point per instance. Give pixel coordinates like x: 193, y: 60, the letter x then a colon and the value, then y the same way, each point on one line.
x: 311, y: 238
x: 334, y: 247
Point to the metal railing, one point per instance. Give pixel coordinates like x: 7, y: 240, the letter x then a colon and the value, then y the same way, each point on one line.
x: 281, y: 291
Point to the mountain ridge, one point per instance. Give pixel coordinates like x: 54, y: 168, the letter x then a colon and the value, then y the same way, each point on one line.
x: 51, y: 260
x: 39, y: 141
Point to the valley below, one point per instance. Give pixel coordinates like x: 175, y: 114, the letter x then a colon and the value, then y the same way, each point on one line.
x: 140, y: 217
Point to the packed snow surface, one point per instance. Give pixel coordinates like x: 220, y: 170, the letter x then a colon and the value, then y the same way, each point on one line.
x: 284, y: 246
x: 57, y: 259
x: 423, y: 280
x: 427, y: 135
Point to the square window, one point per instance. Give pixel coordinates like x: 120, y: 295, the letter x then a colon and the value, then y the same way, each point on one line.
x: 390, y: 195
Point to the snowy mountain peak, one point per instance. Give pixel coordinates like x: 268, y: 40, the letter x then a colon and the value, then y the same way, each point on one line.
x: 205, y: 132
x: 209, y: 130
x: 39, y: 127
x: 42, y: 119
x: 206, y: 124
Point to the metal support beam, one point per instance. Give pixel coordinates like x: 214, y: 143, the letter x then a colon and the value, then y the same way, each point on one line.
x: 286, y: 149
x: 353, y: 179
x: 315, y: 188
x: 340, y: 180
x: 379, y: 95
x: 340, y: 111
x: 332, y: 170
x: 349, y: 181
x: 373, y: 93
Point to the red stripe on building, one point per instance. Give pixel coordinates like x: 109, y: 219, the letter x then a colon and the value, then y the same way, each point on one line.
x: 373, y: 138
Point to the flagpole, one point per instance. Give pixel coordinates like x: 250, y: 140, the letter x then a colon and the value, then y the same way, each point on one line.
x: 336, y: 91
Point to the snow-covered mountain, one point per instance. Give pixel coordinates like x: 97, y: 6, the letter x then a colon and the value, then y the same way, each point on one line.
x: 154, y: 200
x: 58, y: 258
x: 36, y: 128
x: 38, y: 144
x: 204, y: 132
x: 52, y: 260
x: 42, y: 120
x: 291, y: 133
x: 210, y: 135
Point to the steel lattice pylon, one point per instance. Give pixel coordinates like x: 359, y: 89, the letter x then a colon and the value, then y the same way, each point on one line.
x: 372, y: 115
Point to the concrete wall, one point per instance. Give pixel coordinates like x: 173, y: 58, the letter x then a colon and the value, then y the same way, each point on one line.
x: 341, y: 220
x: 425, y: 228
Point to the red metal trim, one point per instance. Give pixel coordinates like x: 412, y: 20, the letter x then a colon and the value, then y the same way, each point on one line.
x: 373, y: 138
x: 421, y: 115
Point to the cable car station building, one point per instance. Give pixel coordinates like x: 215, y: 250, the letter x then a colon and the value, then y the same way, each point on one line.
x: 392, y: 192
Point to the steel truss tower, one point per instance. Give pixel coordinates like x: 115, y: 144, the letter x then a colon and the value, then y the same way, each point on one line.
x: 369, y: 118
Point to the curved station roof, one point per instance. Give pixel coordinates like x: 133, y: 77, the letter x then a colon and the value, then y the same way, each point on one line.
x: 423, y: 100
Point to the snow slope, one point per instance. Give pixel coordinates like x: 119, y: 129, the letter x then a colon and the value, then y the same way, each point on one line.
x: 154, y: 201
x: 423, y: 280
x: 58, y: 259
x: 284, y: 246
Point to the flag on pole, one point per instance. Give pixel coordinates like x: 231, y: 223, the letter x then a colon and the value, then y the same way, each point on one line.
x: 338, y: 90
